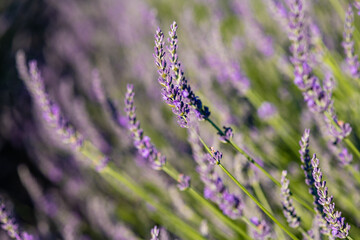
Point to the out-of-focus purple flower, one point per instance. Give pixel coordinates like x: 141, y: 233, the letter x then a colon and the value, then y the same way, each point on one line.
x: 345, y: 157
x: 50, y: 111
x: 266, y: 110
x: 336, y: 222
x: 288, y: 208
x: 227, y: 135
x: 146, y: 149
x: 348, y: 44
x: 357, y: 6
x: 155, y: 233
x: 184, y: 182
x: 264, y: 230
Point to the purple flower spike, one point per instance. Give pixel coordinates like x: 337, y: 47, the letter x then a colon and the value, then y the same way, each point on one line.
x: 184, y: 182
x: 336, y: 222
x: 155, y: 233
x: 143, y: 144
x: 288, y: 208
x: 227, y: 135
x: 176, y: 91
x: 307, y: 167
x: 348, y: 44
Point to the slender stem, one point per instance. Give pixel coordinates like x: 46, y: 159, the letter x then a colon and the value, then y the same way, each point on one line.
x: 251, y: 160
x: 221, y: 216
x: 261, y: 196
x: 304, y: 232
x: 258, y: 203
x: 173, y: 174
x: 178, y: 223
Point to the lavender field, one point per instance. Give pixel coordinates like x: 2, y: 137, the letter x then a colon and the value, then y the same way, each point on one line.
x: 162, y: 120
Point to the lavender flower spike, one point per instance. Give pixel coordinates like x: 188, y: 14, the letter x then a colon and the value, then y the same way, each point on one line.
x: 146, y: 149
x: 348, y: 44
x: 288, y: 208
x: 9, y: 225
x: 155, y: 232
x: 176, y: 91
x: 307, y: 167
x: 336, y: 222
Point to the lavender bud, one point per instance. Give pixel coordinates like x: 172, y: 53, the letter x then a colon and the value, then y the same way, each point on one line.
x: 215, y: 157
x: 184, y: 182
x: 264, y: 229
x: 227, y: 135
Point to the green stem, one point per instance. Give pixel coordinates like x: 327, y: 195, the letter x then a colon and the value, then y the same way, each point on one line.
x: 173, y: 174
x: 219, y: 214
x: 261, y: 196
x: 178, y: 223
x: 258, y: 203
x: 252, y: 161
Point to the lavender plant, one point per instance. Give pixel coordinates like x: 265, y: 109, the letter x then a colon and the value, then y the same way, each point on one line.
x: 77, y: 163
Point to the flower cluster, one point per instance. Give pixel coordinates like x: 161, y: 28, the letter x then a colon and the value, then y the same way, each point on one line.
x: 146, y: 149
x: 334, y: 219
x: 176, y: 91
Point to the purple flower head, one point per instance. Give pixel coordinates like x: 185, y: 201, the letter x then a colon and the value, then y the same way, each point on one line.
x: 345, y: 157
x: 266, y: 111
x: 143, y: 143
x: 155, y: 233
x: 215, y: 157
x: 336, y: 222
x: 227, y: 135
x: 184, y: 182
x: 288, y: 208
